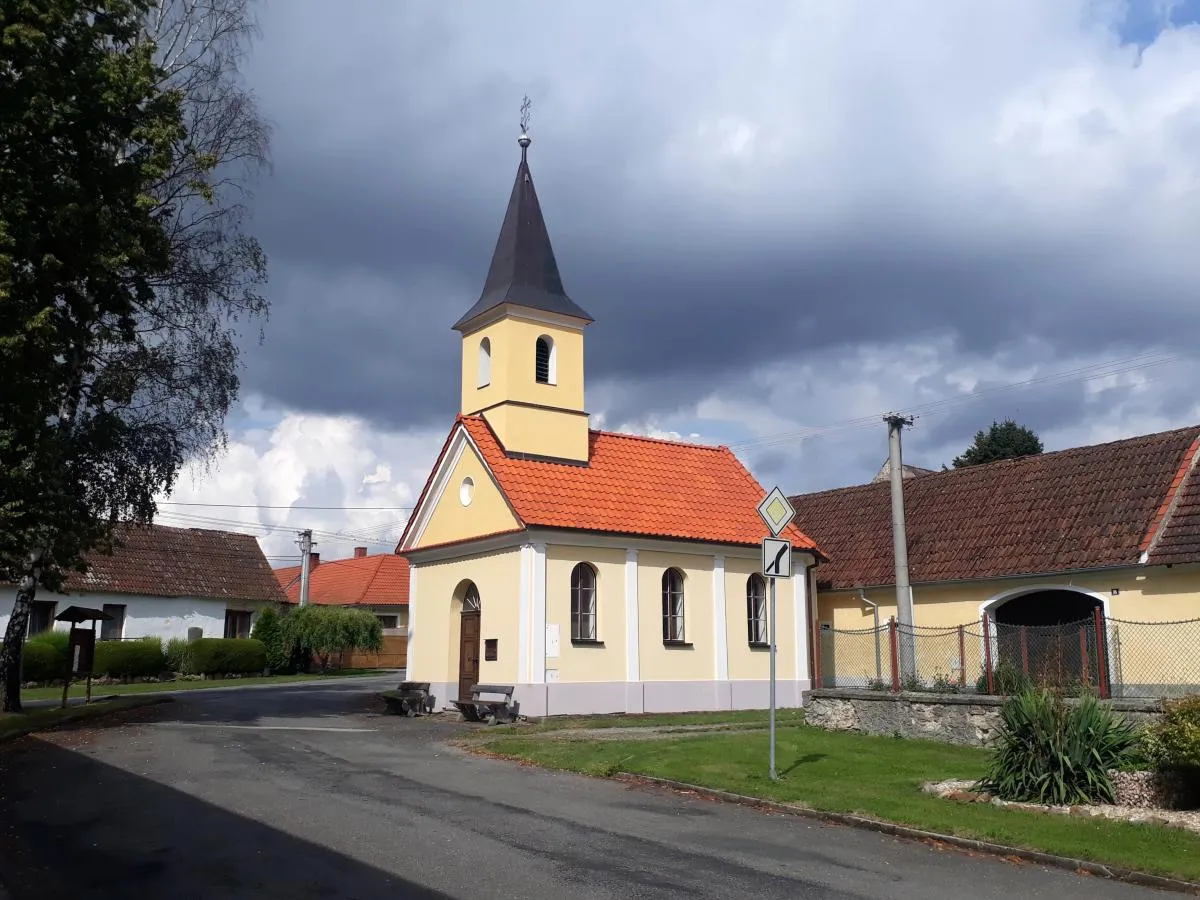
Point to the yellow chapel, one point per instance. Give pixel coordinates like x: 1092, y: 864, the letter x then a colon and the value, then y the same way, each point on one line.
x: 594, y: 571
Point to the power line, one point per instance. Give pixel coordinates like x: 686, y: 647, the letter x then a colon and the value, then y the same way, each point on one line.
x: 267, y: 506
x: 1095, y: 370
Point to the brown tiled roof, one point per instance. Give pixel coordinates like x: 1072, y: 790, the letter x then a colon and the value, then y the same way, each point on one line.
x: 379, y: 580
x: 161, y: 561
x: 1083, y: 508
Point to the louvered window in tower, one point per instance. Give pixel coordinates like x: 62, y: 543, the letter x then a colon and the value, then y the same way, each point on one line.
x: 544, y: 360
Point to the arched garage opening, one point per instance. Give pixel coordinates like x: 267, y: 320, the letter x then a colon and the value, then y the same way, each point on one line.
x: 1051, y: 636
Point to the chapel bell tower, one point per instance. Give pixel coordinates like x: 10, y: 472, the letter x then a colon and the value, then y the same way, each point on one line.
x: 522, y: 341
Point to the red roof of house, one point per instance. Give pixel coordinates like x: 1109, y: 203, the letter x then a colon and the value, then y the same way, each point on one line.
x: 379, y: 580
x: 1083, y: 508
x: 633, y: 485
x: 161, y: 561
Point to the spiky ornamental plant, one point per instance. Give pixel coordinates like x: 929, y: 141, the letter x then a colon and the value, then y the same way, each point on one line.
x: 1056, y: 753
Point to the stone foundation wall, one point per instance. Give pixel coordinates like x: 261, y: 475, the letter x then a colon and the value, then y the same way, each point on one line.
x: 954, y: 718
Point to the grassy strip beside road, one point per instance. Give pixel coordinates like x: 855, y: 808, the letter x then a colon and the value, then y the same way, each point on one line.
x: 14, y: 725
x: 79, y: 689
x: 879, y: 777
x: 746, y: 718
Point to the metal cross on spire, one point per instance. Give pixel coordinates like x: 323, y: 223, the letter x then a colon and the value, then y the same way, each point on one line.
x: 524, y: 140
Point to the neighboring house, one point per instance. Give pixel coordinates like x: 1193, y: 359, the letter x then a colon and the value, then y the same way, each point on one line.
x: 164, y: 581
x: 597, y: 572
x: 1039, y: 542
x: 376, y: 583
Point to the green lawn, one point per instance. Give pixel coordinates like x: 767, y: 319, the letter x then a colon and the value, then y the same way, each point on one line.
x: 16, y: 724
x: 78, y: 689
x: 873, y: 776
x: 746, y: 718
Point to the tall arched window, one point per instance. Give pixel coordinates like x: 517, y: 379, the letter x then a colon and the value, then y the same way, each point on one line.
x: 543, y: 368
x: 583, y: 603
x: 756, y: 609
x: 672, y: 606
x: 485, y: 363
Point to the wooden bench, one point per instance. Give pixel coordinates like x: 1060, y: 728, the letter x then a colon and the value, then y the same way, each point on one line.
x: 477, y: 709
x: 410, y: 699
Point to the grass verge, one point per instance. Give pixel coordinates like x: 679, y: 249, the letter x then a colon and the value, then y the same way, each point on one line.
x: 744, y: 718
x: 879, y: 777
x: 13, y: 725
x: 142, y: 687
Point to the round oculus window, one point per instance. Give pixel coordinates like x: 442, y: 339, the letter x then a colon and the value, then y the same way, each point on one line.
x: 466, y: 491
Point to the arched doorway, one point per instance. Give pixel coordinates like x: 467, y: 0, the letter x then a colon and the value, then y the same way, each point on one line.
x: 468, y: 641
x: 1051, y: 636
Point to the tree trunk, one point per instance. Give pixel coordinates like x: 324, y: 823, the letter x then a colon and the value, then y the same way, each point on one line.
x: 14, y: 635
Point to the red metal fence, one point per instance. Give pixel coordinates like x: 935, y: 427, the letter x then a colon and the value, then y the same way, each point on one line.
x: 1110, y: 657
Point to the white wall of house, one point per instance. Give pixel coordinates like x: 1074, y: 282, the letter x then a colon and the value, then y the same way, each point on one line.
x: 166, y: 617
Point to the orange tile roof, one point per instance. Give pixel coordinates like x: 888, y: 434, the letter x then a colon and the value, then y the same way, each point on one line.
x: 634, y: 485
x: 379, y: 580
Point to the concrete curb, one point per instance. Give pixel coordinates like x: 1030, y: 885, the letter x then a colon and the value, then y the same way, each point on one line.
x: 1116, y: 873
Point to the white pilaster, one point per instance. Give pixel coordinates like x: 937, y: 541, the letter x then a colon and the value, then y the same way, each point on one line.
x: 537, y: 656
x: 412, y: 604
x: 633, y: 667
x: 720, y: 631
x: 799, y: 581
x: 524, y: 609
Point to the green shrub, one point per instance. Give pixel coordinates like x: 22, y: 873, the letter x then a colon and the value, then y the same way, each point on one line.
x: 1174, y: 741
x: 269, y: 630
x: 324, y: 632
x: 41, y: 661
x: 179, y: 656
x: 1007, y: 680
x: 227, y: 656
x: 141, y: 658
x: 59, y: 640
x: 1055, y: 753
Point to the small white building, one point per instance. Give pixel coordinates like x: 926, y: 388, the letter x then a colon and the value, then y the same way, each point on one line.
x: 163, y: 581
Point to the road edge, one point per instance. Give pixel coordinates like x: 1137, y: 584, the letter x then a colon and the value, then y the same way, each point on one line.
x: 89, y: 712
x: 1115, y: 873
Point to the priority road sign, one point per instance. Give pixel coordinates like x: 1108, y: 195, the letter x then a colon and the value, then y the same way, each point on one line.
x: 777, y: 558
x: 776, y: 511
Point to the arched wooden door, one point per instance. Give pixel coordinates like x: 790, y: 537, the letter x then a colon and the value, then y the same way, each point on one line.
x: 468, y: 643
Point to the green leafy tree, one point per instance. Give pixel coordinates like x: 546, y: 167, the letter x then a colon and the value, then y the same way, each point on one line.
x: 1003, y: 440
x: 125, y: 141
x: 324, y: 632
x: 268, y: 628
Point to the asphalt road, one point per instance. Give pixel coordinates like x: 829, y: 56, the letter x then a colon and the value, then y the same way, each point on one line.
x: 307, y: 792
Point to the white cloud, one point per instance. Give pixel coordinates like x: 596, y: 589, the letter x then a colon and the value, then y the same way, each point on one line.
x: 370, y: 478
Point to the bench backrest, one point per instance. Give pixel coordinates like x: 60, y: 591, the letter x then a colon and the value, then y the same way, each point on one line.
x: 414, y: 686
x: 505, y: 689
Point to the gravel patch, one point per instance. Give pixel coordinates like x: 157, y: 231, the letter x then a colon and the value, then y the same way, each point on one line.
x: 961, y: 792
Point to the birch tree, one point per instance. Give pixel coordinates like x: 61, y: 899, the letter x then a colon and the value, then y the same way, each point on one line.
x: 121, y: 356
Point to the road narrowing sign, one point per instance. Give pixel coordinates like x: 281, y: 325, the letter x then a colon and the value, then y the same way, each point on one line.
x: 777, y: 558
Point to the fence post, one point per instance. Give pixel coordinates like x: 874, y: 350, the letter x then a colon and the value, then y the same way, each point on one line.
x: 987, y: 654
x: 1101, y: 655
x: 962, y: 655
x: 1083, y: 656
x: 894, y: 646
x: 815, y: 636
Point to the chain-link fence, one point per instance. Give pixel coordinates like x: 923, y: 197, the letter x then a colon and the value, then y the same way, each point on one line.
x: 1110, y: 657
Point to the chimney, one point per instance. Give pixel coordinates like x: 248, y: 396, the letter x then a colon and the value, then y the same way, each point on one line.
x: 314, y: 560
x: 360, y: 552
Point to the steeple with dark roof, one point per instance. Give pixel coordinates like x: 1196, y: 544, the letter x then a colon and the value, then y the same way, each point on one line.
x: 524, y: 271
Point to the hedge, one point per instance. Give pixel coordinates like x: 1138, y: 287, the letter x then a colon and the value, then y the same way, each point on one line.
x: 227, y: 656
x: 141, y: 658
x: 41, y: 661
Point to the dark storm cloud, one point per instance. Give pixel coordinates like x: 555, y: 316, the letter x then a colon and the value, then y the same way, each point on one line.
x: 392, y: 170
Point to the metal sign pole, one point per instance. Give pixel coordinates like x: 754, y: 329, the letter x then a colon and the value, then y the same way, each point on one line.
x: 771, y: 638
